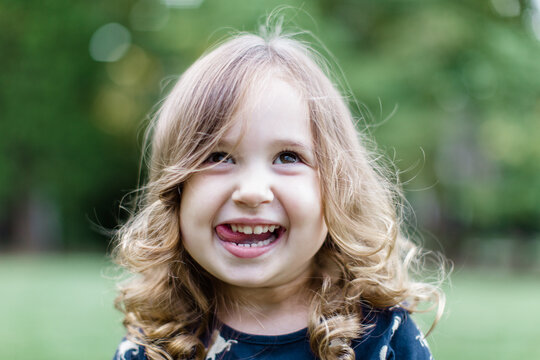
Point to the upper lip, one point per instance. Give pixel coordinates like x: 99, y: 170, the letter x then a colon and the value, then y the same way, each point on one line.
x: 250, y: 221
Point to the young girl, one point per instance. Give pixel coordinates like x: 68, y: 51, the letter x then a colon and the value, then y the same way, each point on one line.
x: 266, y: 229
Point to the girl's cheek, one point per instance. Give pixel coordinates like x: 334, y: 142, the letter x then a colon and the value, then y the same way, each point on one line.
x: 210, y: 189
x: 303, y: 194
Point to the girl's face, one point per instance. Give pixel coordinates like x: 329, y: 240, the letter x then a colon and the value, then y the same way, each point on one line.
x: 254, y: 217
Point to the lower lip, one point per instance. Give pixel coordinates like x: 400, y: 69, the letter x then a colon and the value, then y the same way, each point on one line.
x: 249, y: 252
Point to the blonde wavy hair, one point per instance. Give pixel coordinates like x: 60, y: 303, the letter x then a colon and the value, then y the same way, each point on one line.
x: 366, y: 260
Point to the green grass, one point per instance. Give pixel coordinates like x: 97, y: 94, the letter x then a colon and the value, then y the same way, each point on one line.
x: 489, y: 315
x: 61, y: 307
x: 57, y: 307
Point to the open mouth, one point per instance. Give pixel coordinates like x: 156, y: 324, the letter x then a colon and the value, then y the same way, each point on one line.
x: 249, y: 236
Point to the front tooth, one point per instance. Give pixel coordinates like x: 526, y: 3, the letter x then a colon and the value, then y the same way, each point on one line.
x: 248, y: 230
x: 234, y: 228
x: 258, y: 230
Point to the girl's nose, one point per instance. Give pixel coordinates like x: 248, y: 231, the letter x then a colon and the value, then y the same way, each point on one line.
x: 253, y: 191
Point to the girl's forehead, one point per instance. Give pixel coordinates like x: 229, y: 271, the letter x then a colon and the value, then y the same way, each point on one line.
x: 270, y: 96
x: 267, y: 85
x: 274, y: 108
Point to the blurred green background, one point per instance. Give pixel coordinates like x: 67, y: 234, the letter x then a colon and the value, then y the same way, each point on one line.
x: 450, y: 89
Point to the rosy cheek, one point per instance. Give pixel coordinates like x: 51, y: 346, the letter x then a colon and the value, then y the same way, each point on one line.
x: 303, y: 197
x: 205, y: 194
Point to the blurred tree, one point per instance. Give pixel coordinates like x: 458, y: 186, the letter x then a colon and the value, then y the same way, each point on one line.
x: 55, y: 165
x: 467, y: 81
x: 463, y: 77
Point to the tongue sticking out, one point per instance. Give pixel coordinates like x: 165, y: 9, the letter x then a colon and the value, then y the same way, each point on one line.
x: 225, y: 233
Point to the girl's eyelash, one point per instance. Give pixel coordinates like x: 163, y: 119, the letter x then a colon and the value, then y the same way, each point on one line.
x: 219, y: 157
x: 286, y: 151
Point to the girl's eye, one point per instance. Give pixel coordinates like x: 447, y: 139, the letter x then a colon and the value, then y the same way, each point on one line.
x: 287, y: 157
x: 219, y: 157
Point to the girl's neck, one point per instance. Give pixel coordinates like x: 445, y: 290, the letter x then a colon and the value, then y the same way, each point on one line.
x: 267, y: 311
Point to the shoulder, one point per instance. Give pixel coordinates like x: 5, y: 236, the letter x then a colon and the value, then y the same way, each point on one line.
x: 128, y: 350
x: 392, y: 334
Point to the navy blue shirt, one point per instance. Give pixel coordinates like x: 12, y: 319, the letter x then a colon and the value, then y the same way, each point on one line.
x: 393, y: 336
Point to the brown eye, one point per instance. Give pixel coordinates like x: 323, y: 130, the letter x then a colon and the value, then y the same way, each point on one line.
x: 287, y: 157
x: 219, y: 157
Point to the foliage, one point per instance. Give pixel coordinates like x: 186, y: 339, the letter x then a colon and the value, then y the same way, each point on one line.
x: 463, y: 78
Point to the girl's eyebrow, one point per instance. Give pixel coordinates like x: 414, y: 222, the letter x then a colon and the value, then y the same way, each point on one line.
x: 294, y: 144
x: 226, y: 144
x: 285, y: 143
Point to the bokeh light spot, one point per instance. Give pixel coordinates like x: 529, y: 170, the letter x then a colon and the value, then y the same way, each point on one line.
x: 183, y: 3
x: 115, y: 112
x: 507, y: 8
x: 110, y: 42
x: 131, y: 68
